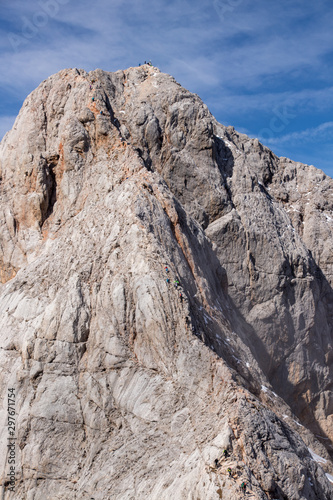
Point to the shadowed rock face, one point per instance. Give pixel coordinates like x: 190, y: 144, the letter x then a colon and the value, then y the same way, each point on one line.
x: 124, y: 388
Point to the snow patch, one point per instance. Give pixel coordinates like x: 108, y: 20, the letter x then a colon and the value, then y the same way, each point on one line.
x: 265, y: 389
x: 329, y: 477
x: 317, y: 458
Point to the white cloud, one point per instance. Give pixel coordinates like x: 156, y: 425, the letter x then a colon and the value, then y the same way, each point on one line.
x: 321, y: 133
x: 203, y: 50
x: 247, y: 61
x: 301, y: 102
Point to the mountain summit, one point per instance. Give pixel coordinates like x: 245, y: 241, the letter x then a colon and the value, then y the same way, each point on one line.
x: 165, y: 301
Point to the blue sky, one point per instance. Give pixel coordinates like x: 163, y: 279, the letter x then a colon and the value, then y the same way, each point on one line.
x: 263, y: 66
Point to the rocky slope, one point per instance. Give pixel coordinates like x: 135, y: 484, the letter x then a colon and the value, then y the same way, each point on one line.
x: 125, y: 389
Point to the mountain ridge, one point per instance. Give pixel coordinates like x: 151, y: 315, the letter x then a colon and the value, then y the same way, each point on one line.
x: 106, y: 178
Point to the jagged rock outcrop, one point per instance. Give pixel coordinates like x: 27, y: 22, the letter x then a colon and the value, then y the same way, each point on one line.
x: 125, y: 389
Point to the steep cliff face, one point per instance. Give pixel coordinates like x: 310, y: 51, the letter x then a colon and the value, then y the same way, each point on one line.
x: 126, y: 385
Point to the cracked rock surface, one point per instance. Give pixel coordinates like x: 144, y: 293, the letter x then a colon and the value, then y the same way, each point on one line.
x: 128, y: 386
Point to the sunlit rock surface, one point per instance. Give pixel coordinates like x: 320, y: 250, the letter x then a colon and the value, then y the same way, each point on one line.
x: 126, y: 389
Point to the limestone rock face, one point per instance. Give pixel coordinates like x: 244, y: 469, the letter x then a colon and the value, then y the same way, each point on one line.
x: 128, y: 386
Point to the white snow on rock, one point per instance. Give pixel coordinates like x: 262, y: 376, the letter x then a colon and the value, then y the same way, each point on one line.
x: 329, y: 477
x: 317, y: 458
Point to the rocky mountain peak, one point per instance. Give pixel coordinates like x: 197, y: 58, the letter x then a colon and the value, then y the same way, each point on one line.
x: 166, y: 294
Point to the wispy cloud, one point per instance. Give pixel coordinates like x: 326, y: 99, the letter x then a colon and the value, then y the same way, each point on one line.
x: 242, y: 52
x: 306, y: 99
x: 243, y: 64
x: 321, y: 133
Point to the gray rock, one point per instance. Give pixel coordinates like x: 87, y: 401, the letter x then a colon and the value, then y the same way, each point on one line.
x: 123, y: 388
